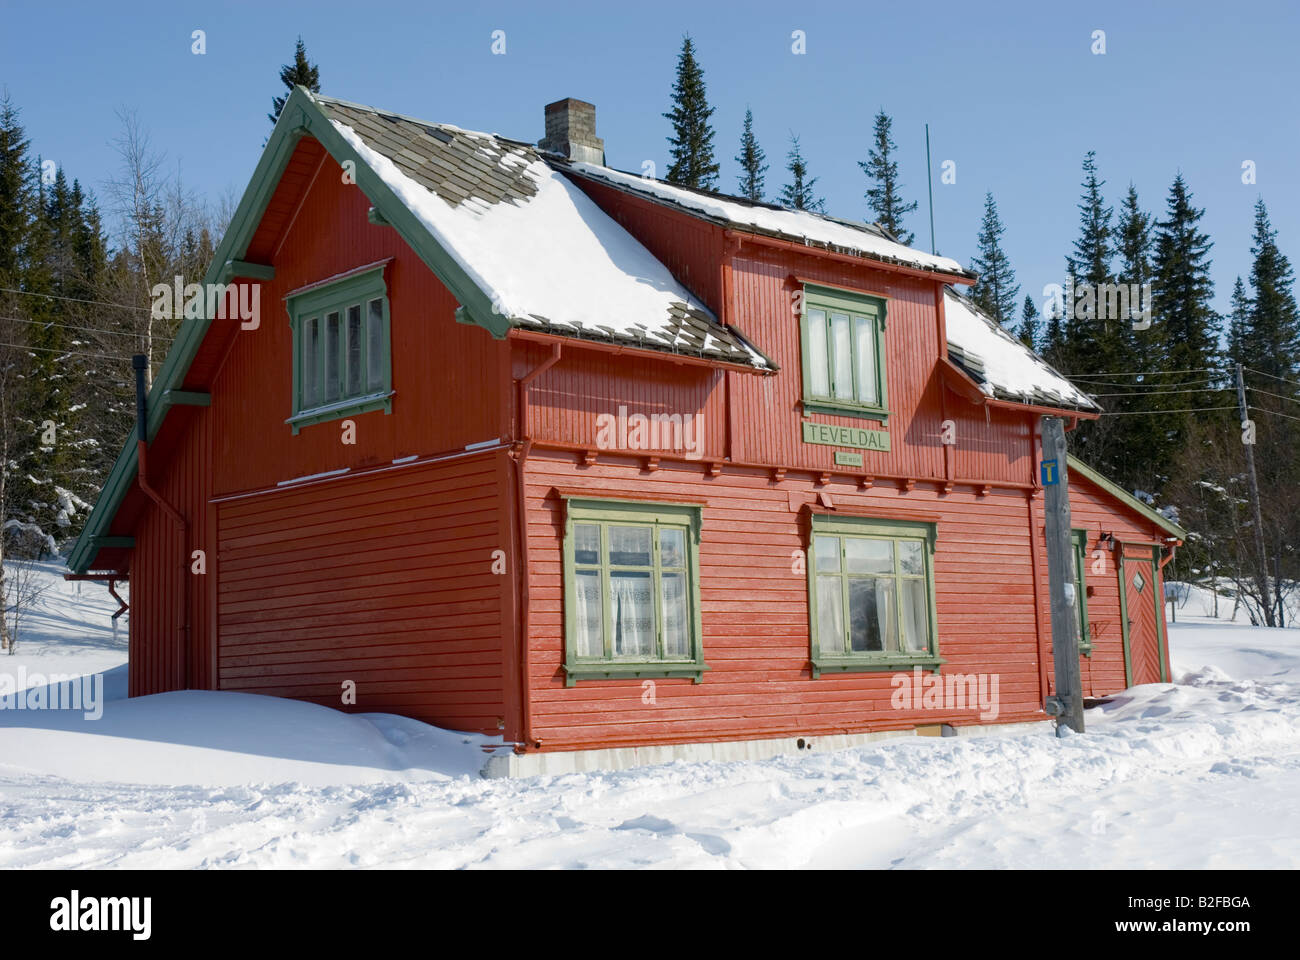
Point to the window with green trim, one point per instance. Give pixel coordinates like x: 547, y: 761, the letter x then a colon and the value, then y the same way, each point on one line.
x: 341, y: 359
x: 871, y: 594
x: 1079, y: 541
x: 843, y: 352
x: 631, y: 590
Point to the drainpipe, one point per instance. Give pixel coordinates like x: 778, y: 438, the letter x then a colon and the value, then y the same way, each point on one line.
x: 139, y: 361
x: 524, y: 447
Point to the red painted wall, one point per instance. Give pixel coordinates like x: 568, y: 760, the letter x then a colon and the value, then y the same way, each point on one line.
x: 383, y: 576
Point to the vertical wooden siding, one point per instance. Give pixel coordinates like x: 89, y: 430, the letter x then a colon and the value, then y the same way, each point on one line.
x: 161, y: 573
x: 445, y: 374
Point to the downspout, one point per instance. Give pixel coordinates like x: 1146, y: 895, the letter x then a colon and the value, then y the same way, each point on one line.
x: 139, y: 362
x: 524, y: 447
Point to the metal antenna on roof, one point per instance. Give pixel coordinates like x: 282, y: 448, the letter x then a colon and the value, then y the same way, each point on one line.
x: 929, y: 184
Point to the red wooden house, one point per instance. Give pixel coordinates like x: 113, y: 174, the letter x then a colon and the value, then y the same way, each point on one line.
x: 519, y: 443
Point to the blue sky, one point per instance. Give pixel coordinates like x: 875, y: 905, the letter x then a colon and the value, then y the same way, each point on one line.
x: 1013, y: 94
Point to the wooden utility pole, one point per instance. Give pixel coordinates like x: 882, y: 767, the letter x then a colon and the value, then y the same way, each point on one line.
x: 1067, y: 704
x: 1248, y: 441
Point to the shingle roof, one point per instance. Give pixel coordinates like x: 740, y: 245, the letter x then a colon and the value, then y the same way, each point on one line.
x: 529, y: 237
x: 1005, y: 368
x: 818, y: 230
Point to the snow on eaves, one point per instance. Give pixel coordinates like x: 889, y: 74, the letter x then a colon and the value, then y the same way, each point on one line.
x: 802, y: 226
x: 1010, y: 369
x: 556, y: 261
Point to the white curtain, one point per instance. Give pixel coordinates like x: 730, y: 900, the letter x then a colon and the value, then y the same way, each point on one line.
x: 632, y: 613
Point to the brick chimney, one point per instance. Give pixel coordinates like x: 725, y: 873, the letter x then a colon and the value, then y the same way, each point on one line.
x: 571, y: 131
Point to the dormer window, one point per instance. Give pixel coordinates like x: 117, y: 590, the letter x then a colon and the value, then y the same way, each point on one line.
x: 843, y: 353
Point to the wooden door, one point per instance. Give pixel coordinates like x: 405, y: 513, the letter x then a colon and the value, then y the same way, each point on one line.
x: 1141, y: 614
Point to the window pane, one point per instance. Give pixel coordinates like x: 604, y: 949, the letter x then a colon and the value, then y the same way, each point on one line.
x: 869, y: 556
x: 375, y: 345
x: 629, y: 546
x: 864, y: 334
x: 632, y: 612
x: 677, y: 636
x: 354, y: 385
x: 590, y: 625
x: 818, y: 366
x: 331, y: 357
x: 310, y: 363
x: 672, y: 547
x: 911, y: 560
x: 871, y: 615
x: 830, y: 618
x: 841, y: 356
x: 915, y: 616
x: 586, y: 543
x: 827, y: 550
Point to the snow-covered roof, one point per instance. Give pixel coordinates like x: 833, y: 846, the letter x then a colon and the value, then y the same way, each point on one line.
x: 1000, y: 363
x: 801, y: 226
x: 545, y: 255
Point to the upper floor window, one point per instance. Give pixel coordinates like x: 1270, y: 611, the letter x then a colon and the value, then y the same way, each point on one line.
x: 341, y: 361
x: 843, y: 352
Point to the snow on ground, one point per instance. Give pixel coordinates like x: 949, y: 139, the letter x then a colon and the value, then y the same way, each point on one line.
x: 1202, y: 773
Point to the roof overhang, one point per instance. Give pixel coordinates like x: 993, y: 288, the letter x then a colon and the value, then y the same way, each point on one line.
x: 960, y: 382
x: 684, y: 359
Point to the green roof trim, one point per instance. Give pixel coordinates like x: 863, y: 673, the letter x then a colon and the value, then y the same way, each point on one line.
x: 302, y: 115
x: 1174, y: 530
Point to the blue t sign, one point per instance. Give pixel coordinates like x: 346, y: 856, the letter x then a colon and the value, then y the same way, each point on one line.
x: 1050, y: 475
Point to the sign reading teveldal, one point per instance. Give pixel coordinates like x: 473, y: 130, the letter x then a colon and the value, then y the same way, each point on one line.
x: 833, y: 436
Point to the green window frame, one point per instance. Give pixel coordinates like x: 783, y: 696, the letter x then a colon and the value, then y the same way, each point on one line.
x: 341, y: 349
x: 1079, y: 541
x: 847, y: 558
x: 613, y: 549
x: 842, y: 336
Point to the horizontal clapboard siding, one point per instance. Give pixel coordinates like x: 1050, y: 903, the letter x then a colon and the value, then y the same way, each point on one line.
x: 755, y: 612
x: 384, y: 580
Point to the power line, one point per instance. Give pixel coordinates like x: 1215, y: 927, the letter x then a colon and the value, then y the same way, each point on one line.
x: 1144, y: 373
x: 1278, y: 396
x: 66, y: 353
x: 1085, y: 382
x: 1275, y: 413
x: 51, y: 296
x: 1156, y: 413
x: 1162, y: 393
x: 1272, y: 376
x: 69, y: 326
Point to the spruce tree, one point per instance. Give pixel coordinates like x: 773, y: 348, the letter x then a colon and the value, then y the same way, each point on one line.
x: 1182, y: 285
x: 996, y: 290
x: 798, y: 193
x: 301, y: 72
x: 751, y: 159
x: 15, y: 196
x: 1189, y: 327
x: 1133, y: 441
x: 1029, y: 323
x: 691, y: 145
x: 1271, y: 341
x: 883, y: 197
x: 1089, y: 337
x: 1238, y: 322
